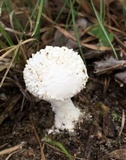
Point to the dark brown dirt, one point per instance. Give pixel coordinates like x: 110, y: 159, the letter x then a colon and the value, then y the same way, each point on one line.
x: 98, y: 137
x: 24, y: 121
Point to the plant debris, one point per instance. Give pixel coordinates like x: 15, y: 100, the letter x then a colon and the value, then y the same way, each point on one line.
x: 108, y: 65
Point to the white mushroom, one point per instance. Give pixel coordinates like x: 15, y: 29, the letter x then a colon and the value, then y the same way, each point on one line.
x: 56, y: 74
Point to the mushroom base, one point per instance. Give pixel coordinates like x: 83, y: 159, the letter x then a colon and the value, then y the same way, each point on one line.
x: 66, y: 114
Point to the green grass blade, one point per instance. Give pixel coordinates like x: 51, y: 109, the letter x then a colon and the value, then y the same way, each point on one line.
x: 75, y: 27
x: 124, y: 12
x: 102, y: 10
x: 16, y: 21
x: 103, y: 29
x: 60, y: 12
x: 32, y: 14
x: 1, y: 6
x: 6, y: 36
x: 37, y: 26
x: 59, y: 145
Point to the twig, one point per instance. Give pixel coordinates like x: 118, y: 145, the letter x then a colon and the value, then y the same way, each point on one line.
x: 12, y: 149
x: 11, y: 154
x: 123, y: 123
x: 3, y: 145
x: 38, y: 139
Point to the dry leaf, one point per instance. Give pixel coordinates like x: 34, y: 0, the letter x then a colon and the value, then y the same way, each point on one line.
x: 108, y: 65
x: 121, y: 77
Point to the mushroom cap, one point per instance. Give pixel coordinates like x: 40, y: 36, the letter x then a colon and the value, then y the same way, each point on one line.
x: 55, y: 73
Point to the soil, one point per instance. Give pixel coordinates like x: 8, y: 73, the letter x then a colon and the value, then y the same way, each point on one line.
x: 25, y: 121
x: 100, y: 136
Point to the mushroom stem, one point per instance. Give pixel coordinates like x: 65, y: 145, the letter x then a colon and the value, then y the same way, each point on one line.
x: 66, y: 114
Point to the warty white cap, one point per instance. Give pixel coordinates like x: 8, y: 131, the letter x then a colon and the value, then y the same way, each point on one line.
x: 55, y: 73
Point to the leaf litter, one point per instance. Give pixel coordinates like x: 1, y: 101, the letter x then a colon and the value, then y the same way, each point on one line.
x: 26, y: 119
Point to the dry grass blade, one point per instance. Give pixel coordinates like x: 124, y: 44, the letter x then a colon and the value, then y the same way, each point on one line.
x: 106, y: 83
x: 8, y: 109
x: 14, y: 31
x: 27, y: 41
x: 68, y: 35
x: 64, y: 32
x: 11, y: 154
x: 94, y: 47
x: 4, y: 63
x: 13, y: 58
x: 22, y: 90
x: 10, y: 50
x: 13, y: 49
x: 12, y: 149
x: 123, y: 123
x: 48, y: 19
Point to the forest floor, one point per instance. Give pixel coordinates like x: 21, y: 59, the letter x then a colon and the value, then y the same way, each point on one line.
x: 100, y: 136
x: 25, y: 121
